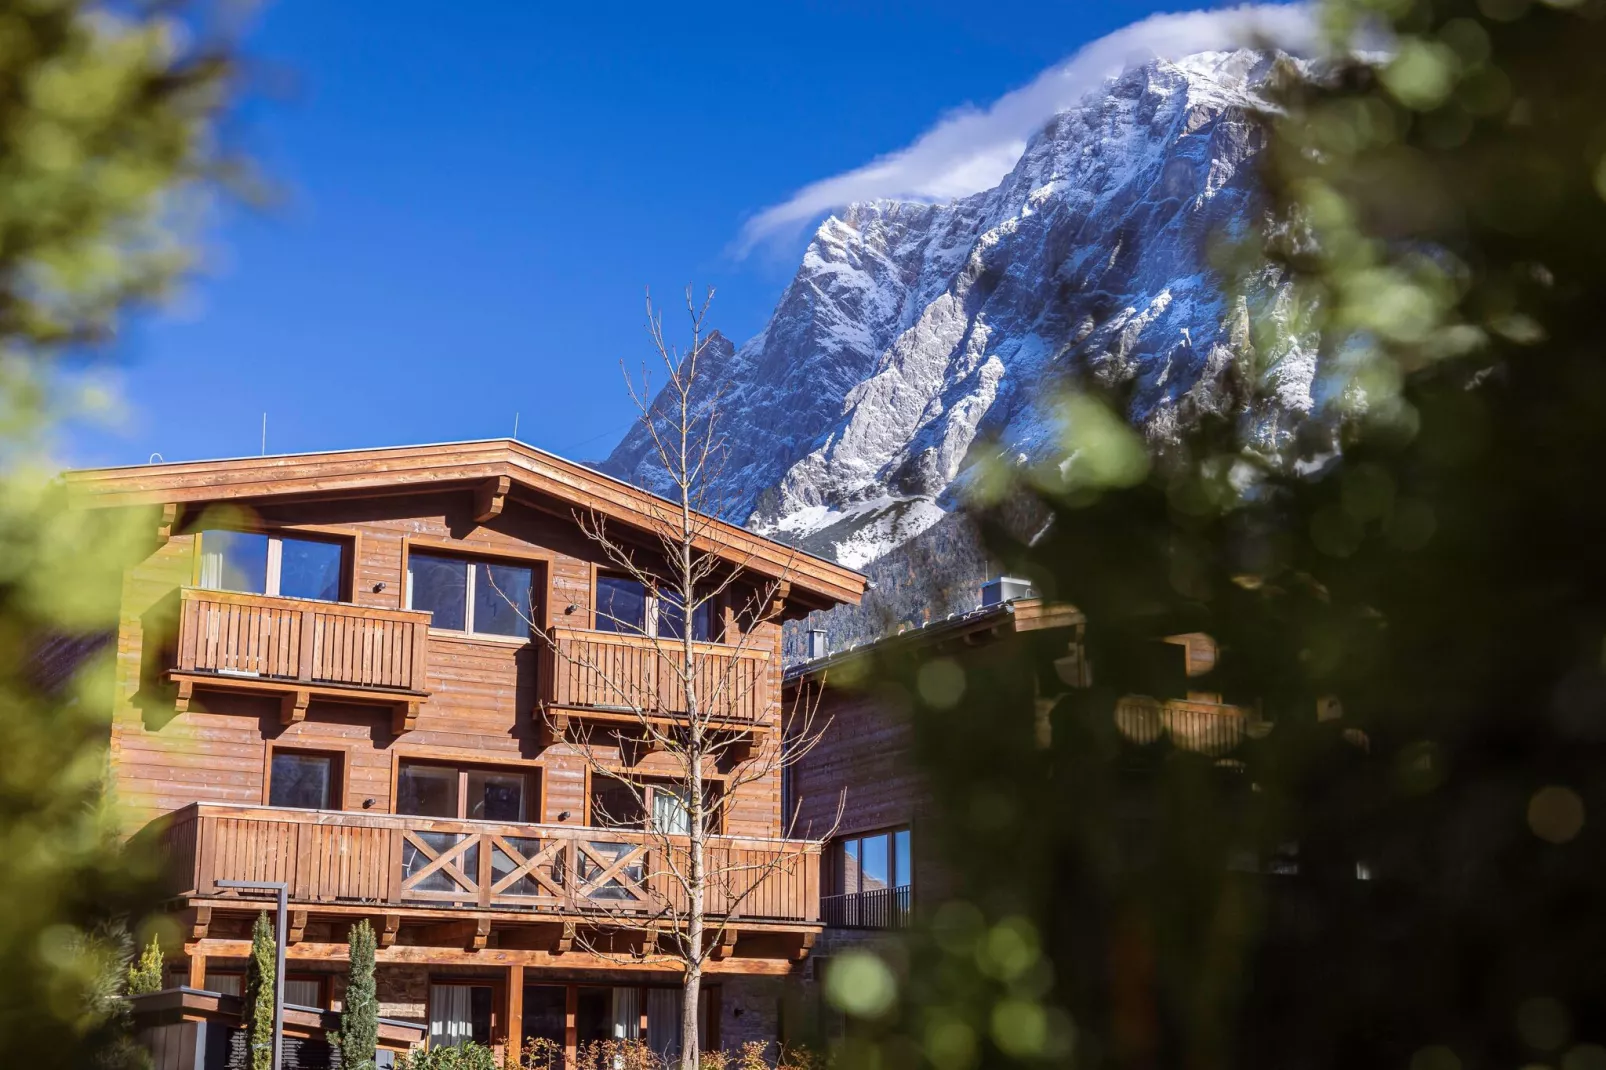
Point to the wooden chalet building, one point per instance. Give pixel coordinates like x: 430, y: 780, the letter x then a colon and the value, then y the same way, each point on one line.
x: 319, y: 682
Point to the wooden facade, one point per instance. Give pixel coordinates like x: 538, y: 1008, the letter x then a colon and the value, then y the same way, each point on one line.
x: 213, y: 685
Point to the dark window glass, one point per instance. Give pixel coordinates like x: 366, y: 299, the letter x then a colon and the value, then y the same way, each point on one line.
x: 234, y: 561
x: 501, y: 599
x: 495, y: 796
x: 440, y: 585
x: 311, y: 569
x: 621, y: 605
x: 303, y: 781
x: 672, y: 619
x: 426, y: 790
x: 546, y: 1011
x: 902, y: 865
x: 593, y: 1019
x: 615, y: 804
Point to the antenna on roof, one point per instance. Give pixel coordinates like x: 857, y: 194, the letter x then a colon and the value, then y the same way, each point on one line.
x: 515, y: 427
x: 264, y: 434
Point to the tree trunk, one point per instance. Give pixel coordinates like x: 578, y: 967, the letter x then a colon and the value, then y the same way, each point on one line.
x: 691, y: 989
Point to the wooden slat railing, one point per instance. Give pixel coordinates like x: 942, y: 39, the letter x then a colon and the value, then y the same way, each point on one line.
x: 319, y: 643
x: 397, y: 860
x: 608, y: 670
x: 1206, y: 727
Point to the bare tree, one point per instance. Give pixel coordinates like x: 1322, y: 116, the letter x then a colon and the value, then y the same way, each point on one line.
x: 705, y: 706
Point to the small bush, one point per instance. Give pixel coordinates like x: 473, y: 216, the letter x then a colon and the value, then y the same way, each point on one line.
x: 470, y: 1056
x: 145, y: 976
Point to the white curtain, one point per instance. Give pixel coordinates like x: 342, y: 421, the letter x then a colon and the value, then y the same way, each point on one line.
x: 302, y: 994
x: 627, y: 1013
x: 227, y: 984
x: 663, y: 1022
x: 212, y: 562
x: 670, y: 813
x: 450, y: 1020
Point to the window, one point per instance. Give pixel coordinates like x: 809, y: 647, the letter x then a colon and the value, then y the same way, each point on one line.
x: 430, y: 790
x: 482, y: 597
x: 875, y: 862
x: 224, y: 982
x: 303, y: 780
x: 624, y: 605
x: 289, y: 566
x: 304, y: 990
x: 459, y: 1013
x: 618, y: 804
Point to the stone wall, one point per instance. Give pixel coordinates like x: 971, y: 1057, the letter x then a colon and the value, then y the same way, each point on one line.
x: 403, y: 991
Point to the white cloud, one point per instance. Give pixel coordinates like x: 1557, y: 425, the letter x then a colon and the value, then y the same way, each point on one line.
x: 971, y: 149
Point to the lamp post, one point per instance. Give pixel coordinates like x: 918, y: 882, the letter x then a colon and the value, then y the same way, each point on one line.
x: 283, y: 891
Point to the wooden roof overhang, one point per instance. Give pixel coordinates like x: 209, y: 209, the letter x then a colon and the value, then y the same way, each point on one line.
x: 492, y: 470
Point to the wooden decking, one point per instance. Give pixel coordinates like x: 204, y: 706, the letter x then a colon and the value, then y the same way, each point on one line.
x: 395, y: 861
x: 1206, y: 727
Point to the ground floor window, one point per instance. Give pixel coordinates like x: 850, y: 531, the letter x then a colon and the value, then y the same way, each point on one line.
x: 649, y: 1013
x: 459, y: 1013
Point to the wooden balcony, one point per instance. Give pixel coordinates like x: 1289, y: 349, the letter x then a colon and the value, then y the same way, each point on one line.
x: 395, y: 861
x: 879, y: 908
x: 603, y: 672
x: 299, y: 648
x: 1207, y: 727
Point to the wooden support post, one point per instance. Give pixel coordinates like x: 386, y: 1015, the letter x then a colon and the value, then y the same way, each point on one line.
x: 197, y: 970
x: 571, y: 1032
x: 805, y: 942
x: 202, y: 923
x: 565, y: 941
x: 489, y: 499
x: 181, y: 697
x: 404, y: 716
x: 727, y: 943
x: 390, y: 925
x: 164, y: 526
x: 514, y: 1026
x: 297, y: 927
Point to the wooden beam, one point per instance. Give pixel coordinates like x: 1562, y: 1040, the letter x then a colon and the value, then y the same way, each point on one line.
x: 473, y: 934
x: 197, y: 978
x: 513, y: 1027
x: 182, y: 696
x: 293, y: 706
x: 727, y: 943
x: 578, y: 959
x: 404, y: 716
x: 390, y: 925
x: 202, y: 923
x: 805, y: 942
x: 551, y: 726
x: 565, y: 941
x: 489, y: 498
x: 164, y: 526
x: 297, y: 927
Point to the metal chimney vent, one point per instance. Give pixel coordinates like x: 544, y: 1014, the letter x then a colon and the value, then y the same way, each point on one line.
x: 1005, y: 589
x: 819, y: 644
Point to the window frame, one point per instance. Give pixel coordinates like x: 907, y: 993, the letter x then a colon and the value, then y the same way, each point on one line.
x: 891, y: 832
x: 533, y: 776
x: 470, y: 560
x: 338, y: 778
x: 650, y: 611
x: 272, y: 579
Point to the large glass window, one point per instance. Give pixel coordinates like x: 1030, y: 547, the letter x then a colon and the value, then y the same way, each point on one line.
x: 459, y: 1013
x: 875, y: 862
x: 618, y: 804
x: 285, y: 565
x: 429, y: 789
x: 303, y: 780
x: 625, y: 605
x: 483, y: 597
x: 621, y: 605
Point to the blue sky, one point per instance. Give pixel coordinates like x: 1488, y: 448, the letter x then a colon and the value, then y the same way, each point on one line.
x: 475, y: 196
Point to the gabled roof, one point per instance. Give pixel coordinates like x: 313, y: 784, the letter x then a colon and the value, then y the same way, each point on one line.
x: 534, y: 473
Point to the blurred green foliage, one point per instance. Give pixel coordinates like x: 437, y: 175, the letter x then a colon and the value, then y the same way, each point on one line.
x: 1412, y: 878
x: 106, y: 143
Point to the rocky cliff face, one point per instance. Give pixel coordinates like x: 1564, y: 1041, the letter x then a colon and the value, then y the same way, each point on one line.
x: 913, y: 334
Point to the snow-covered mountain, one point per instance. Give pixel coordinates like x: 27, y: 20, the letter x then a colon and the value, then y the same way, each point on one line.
x: 913, y: 333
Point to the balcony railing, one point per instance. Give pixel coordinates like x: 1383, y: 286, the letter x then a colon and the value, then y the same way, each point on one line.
x: 293, y: 640
x: 606, y: 670
x: 881, y: 908
x: 1206, y: 727
x: 402, y: 861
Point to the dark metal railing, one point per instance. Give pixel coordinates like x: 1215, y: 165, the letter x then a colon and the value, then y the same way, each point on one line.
x: 881, y: 908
